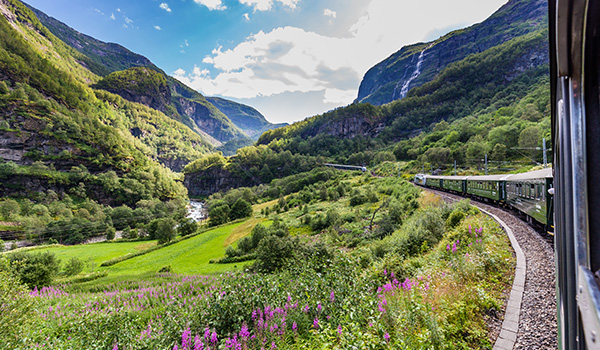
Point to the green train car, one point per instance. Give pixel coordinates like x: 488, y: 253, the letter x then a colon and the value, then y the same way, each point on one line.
x: 487, y: 186
x: 528, y: 193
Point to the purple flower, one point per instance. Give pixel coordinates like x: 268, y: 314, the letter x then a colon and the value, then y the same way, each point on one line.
x: 319, y: 307
x: 294, y: 326
x: 116, y: 347
x: 175, y: 347
x: 198, y: 345
x: 213, y: 337
x: 332, y: 297
x: 244, y: 333
x: 339, y: 329
x: 316, y: 323
x: 386, y: 336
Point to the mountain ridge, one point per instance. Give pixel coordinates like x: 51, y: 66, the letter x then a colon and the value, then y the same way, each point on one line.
x: 515, y: 18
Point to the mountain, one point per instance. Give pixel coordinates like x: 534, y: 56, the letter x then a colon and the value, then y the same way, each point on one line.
x: 248, y: 119
x: 58, y: 133
x: 229, y: 122
x: 503, y: 88
x: 414, y: 65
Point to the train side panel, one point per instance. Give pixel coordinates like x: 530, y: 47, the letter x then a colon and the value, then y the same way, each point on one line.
x: 490, y: 189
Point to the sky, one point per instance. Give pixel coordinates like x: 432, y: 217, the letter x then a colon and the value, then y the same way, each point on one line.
x: 289, y: 59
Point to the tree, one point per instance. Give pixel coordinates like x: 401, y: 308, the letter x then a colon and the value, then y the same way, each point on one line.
x: 438, y: 155
x: 9, y: 207
x: 530, y: 138
x: 110, y: 233
x: 187, y: 226
x: 273, y: 253
x: 499, y: 152
x: 165, y: 230
x: 240, y: 209
x: 218, y: 214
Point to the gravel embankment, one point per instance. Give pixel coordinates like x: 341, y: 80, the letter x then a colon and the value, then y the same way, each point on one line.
x: 537, y: 321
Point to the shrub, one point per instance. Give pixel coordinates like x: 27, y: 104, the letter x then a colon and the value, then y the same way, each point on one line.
x: 165, y: 231
x: 455, y: 218
x: 73, y: 267
x: 240, y: 209
x: 273, y: 253
x: 1, y: 246
x: 110, y: 233
x: 165, y: 269
x: 16, y: 307
x: 187, y: 226
x: 35, y: 270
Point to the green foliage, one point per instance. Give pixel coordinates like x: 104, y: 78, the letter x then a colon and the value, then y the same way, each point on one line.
x: 73, y: 267
x: 165, y: 230
x: 110, y: 233
x: 240, y: 209
x: 35, y: 269
x: 187, y: 226
x: 16, y: 307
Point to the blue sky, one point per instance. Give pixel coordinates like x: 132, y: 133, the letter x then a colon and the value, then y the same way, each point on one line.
x: 290, y: 59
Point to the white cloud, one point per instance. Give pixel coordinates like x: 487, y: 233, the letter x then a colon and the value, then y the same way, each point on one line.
x: 266, y: 5
x: 165, y: 7
x: 246, y: 16
x: 157, y: 28
x: 128, y: 20
x: 118, y: 10
x: 112, y: 16
x: 329, y: 13
x: 99, y: 12
x: 212, y: 4
x: 293, y: 60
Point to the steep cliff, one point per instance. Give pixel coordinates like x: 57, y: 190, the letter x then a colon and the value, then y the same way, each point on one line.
x: 414, y: 65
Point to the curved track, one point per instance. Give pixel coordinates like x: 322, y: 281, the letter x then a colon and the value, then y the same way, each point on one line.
x: 537, y: 322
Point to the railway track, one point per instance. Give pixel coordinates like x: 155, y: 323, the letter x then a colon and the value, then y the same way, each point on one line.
x: 537, y: 322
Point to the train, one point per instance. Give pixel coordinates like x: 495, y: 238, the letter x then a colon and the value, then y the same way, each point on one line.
x: 530, y: 193
x: 574, y: 52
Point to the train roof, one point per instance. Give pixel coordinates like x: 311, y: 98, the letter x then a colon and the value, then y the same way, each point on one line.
x: 536, y: 174
x: 442, y: 177
x: 487, y: 177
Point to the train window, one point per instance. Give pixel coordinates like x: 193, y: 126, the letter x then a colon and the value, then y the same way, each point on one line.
x: 532, y: 191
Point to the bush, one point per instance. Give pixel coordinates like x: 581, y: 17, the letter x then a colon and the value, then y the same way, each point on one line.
x: 1, y: 246
x: 16, y: 306
x: 35, y: 270
x: 165, y: 231
x: 165, y: 269
x: 73, y: 267
x: 455, y: 218
x: 187, y: 226
x: 110, y: 233
x: 240, y: 209
x: 273, y: 253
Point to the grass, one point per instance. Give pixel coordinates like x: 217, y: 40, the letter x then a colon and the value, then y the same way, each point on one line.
x: 190, y: 256
x: 242, y: 230
x: 95, y: 254
x: 261, y: 206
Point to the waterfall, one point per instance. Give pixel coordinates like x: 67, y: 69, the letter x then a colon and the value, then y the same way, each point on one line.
x: 414, y: 76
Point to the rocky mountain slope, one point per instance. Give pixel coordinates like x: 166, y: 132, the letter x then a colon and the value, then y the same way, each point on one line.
x: 181, y: 102
x: 56, y: 130
x: 414, y: 65
x: 248, y: 119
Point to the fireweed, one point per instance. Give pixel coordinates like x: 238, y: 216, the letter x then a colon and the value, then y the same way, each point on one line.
x: 342, y: 306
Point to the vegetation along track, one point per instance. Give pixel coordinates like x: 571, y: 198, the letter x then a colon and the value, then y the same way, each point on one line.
x: 537, y: 321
